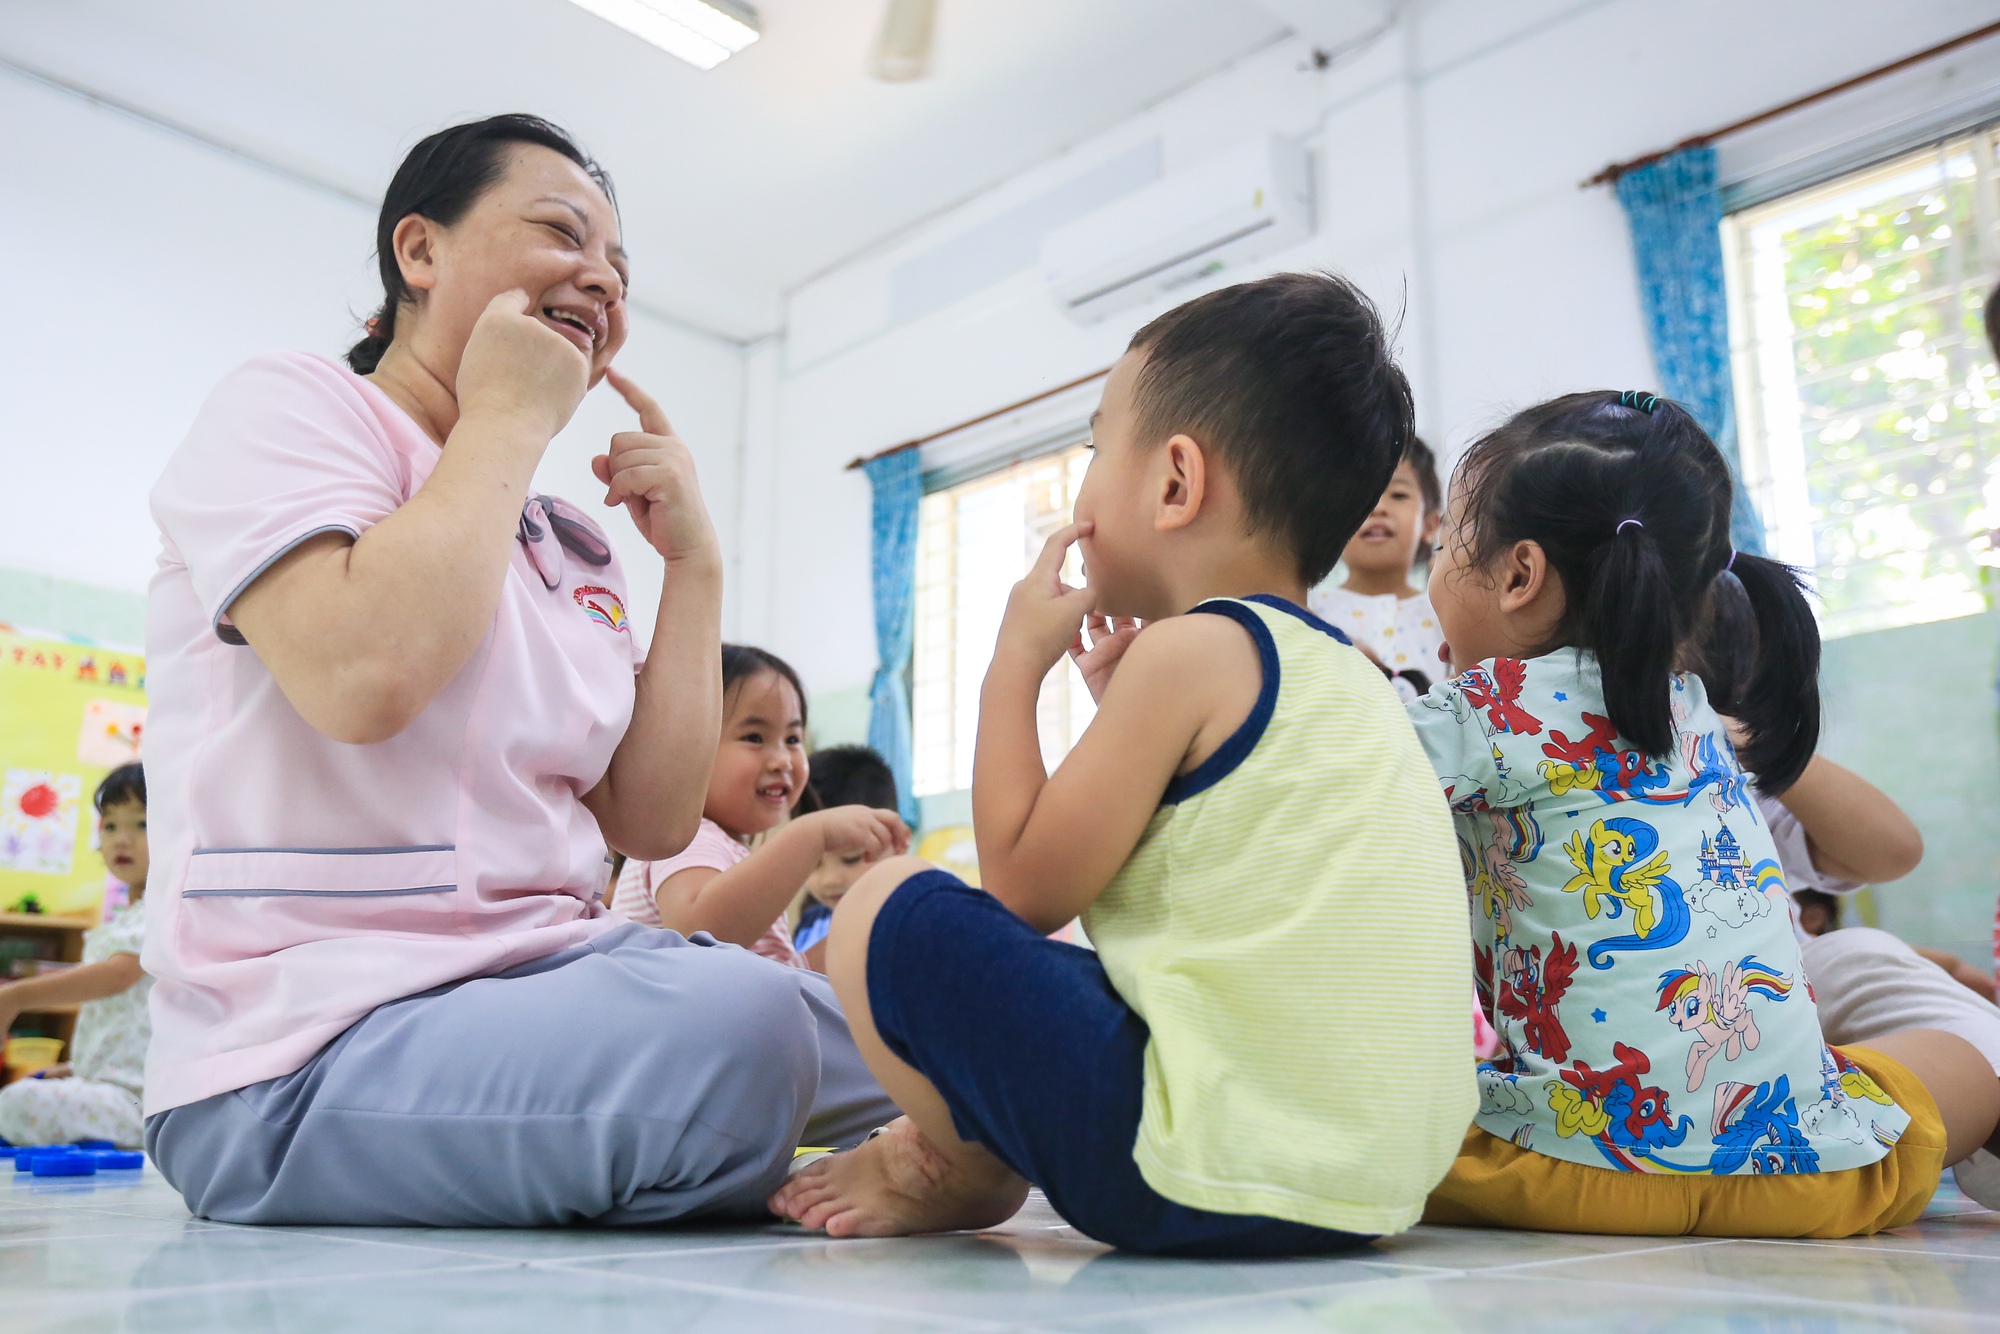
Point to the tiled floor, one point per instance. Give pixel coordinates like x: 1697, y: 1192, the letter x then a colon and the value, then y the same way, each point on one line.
x: 109, y: 1254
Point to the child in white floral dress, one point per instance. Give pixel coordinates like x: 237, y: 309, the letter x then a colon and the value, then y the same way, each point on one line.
x: 96, y: 1095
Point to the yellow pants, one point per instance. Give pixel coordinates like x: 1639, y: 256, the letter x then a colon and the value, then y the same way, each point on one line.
x: 1494, y: 1183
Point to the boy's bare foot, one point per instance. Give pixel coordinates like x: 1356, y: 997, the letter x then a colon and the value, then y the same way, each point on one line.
x: 899, y: 1183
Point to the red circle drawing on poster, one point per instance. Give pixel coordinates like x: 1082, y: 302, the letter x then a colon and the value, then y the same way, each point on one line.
x: 39, y: 802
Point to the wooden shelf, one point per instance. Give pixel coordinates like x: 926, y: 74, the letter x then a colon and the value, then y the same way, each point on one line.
x: 68, y: 932
x: 46, y: 921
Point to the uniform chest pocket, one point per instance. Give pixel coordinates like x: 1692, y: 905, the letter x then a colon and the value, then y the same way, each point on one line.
x: 392, y: 872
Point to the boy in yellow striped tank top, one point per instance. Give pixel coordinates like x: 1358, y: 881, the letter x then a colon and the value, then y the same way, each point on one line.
x: 1270, y: 1051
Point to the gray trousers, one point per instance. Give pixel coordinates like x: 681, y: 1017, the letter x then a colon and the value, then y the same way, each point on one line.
x: 641, y: 1078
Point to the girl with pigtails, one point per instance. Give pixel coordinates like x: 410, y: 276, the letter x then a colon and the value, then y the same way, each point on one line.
x: 1663, y: 1069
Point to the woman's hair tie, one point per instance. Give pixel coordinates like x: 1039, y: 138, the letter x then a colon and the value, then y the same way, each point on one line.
x: 1623, y: 524
x: 1639, y: 401
x: 1732, y: 559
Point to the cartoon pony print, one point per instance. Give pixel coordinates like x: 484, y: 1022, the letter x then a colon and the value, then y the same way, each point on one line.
x: 1714, y: 766
x: 1759, y: 1128
x: 1621, y: 865
x: 1716, y: 1010
x: 1845, y: 1091
x: 1497, y: 694
x: 1496, y: 886
x: 1628, y: 1120
x: 1596, y: 764
x: 1530, y: 992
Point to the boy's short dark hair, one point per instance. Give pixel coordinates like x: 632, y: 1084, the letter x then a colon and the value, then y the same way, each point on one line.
x: 125, y: 783
x: 852, y: 776
x: 1290, y: 379
x: 1425, y: 465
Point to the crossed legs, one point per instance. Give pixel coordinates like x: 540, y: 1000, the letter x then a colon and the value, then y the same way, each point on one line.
x: 917, y: 1175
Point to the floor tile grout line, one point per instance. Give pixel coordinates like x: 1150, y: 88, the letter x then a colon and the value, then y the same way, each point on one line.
x: 1769, y: 1297
x: 1245, y: 1298
x: 784, y: 1298
x: 1603, y: 1255
x: 132, y: 1295
x: 1811, y: 1243
x: 754, y: 1249
x: 434, y: 1249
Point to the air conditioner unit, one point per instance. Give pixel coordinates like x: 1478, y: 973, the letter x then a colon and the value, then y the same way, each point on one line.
x: 1229, y: 209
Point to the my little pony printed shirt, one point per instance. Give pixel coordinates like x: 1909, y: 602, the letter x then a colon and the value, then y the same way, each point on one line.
x: 1633, y: 938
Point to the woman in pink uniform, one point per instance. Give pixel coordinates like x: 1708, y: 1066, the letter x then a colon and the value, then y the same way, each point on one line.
x: 398, y: 710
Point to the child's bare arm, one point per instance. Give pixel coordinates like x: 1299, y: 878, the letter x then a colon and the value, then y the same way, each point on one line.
x: 1048, y: 845
x: 1961, y: 972
x: 738, y: 905
x: 1852, y: 827
x: 72, y: 986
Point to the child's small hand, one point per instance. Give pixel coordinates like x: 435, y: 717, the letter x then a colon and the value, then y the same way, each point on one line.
x: 1044, y: 614
x: 872, y: 833
x: 1110, y: 636
x: 652, y: 472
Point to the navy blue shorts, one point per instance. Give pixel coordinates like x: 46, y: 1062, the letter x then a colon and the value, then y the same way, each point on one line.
x: 1041, y: 1061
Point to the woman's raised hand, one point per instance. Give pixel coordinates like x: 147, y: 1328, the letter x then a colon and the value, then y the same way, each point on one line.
x: 651, y: 472
x: 517, y: 367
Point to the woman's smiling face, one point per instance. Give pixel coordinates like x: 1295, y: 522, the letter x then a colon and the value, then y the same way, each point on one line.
x: 545, y: 227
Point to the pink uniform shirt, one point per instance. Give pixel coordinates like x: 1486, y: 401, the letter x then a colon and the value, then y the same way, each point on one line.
x: 299, y: 882
x: 712, y: 848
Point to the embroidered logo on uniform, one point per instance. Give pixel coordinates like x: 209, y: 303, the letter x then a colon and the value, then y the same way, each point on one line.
x: 603, y: 606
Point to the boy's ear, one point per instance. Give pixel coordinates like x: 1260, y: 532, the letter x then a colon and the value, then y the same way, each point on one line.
x: 1183, y: 483
x: 1433, y: 520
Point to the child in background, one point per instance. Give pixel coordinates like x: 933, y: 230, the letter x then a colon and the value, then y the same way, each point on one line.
x: 1665, y: 1069
x: 96, y: 1096
x: 841, y: 776
x: 1378, y: 607
x: 1836, y: 832
x: 1270, y: 1052
x: 718, y: 884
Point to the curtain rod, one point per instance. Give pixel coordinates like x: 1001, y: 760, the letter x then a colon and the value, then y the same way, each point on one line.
x: 1611, y: 173
x: 865, y: 459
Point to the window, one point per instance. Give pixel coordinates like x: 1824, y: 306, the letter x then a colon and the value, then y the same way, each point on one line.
x: 1865, y: 388
x: 975, y: 542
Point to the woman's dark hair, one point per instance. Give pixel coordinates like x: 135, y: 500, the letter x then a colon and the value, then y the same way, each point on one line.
x: 125, y: 783
x: 1629, y: 499
x: 442, y: 177
x: 740, y: 662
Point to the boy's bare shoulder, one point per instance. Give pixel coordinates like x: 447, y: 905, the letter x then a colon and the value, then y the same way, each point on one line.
x: 1193, y: 650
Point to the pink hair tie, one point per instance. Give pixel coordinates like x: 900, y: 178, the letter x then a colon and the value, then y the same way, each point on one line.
x: 1628, y: 523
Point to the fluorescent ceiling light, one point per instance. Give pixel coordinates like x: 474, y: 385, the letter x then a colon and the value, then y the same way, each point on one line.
x: 702, y: 32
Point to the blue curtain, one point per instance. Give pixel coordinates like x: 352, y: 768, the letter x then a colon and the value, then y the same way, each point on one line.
x: 1675, y: 213
x: 899, y: 493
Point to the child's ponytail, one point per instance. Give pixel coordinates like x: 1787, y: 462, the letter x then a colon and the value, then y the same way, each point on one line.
x: 1778, y: 701
x: 1630, y: 618
x: 1629, y: 501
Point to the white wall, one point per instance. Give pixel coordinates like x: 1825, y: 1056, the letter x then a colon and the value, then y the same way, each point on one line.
x: 1448, y: 159
x: 143, y: 266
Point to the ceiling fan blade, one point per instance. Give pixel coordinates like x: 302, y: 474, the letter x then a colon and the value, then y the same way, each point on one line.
x: 903, y: 51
